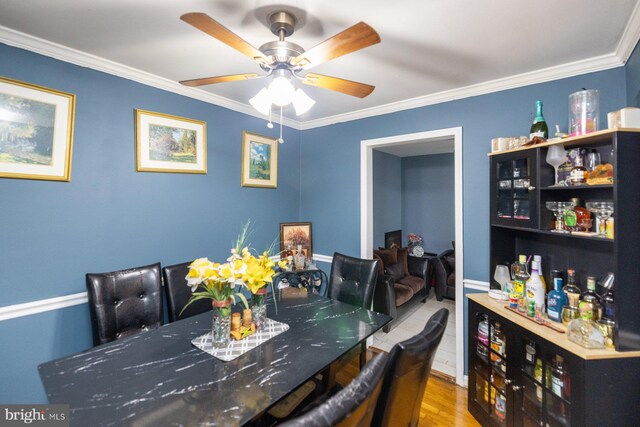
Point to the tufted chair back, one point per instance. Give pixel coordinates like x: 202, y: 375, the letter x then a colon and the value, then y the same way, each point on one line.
x: 124, y: 302
x: 352, y: 280
x: 178, y: 293
x: 406, y: 377
x: 351, y: 406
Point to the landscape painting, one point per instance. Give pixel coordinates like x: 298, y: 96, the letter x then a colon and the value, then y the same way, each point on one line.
x: 293, y: 234
x: 259, y: 161
x: 259, y: 165
x: 36, y: 131
x: 166, y: 143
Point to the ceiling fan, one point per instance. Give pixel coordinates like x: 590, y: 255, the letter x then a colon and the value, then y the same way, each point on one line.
x: 285, y: 60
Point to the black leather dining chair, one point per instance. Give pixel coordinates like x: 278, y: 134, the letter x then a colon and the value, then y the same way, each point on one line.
x: 353, y: 405
x: 407, y: 374
x: 178, y: 293
x: 352, y: 281
x: 124, y: 302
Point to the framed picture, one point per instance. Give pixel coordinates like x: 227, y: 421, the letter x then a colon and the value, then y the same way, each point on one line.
x: 167, y: 143
x: 259, y: 161
x: 36, y: 131
x: 293, y: 234
x: 393, y: 239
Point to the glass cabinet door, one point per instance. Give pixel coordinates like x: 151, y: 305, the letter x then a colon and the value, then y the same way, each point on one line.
x: 513, y: 200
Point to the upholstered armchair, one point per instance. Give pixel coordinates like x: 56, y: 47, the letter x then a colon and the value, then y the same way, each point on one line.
x: 445, y: 275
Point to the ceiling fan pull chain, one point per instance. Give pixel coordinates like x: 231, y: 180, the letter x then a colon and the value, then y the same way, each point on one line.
x: 270, y: 125
x: 280, y: 140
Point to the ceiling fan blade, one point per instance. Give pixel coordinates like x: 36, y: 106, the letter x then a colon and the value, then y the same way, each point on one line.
x: 350, y: 40
x: 220, y: 79
x: 216, y: 30
x: 348, y: 87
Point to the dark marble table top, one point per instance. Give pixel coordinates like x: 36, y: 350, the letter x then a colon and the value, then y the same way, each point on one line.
x: 159, y: 378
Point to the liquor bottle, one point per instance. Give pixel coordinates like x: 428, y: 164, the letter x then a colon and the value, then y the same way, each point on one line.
x: 573, y: 217
x: 530, y: 357
x: 557, y: 376
x: 571, y: 289
x: 590, y: 306
x: 607, y: 300
x: 535, y: 290
x: 539, y: 127
x: 538, y: 259
x: 520, y: 277
x: 288, y: 254
x: 578, y: 174
x: 299, y: 259
x: 537, y: 374
x: 556, y: 298
x: 498, y: 340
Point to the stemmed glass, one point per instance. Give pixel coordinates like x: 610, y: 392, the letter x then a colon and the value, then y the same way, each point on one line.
x: 556, y: 156
x: 603, y: 211
x: 558, y: 209
x: 502, y: 276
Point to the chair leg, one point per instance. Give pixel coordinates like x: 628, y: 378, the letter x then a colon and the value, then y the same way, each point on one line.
x: 363, y: 354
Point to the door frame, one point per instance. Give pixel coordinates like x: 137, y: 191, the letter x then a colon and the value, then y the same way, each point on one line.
x: 366, y: 214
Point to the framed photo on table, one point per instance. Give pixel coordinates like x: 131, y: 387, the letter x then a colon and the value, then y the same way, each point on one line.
x: 167, y: 143
x: 293, y: 234
x: 393, y: 239
x: 36, y: 131
x: 259, y: 161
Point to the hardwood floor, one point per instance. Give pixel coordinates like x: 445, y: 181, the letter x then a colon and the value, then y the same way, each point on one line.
x: 443, y: 403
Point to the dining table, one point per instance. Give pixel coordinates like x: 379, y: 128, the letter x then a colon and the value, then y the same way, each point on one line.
x: 159, y: 377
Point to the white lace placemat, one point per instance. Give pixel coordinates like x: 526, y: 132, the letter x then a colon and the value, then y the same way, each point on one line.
x: 235, y: 348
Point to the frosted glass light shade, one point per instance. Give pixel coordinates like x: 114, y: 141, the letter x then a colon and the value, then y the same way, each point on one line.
x: 302, y: 102
x: 262, y: 102
x: 281, y: 91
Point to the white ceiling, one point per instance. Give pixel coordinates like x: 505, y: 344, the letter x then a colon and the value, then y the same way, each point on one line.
x: 431, y: 50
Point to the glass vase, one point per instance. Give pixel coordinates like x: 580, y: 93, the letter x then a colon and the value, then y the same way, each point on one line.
x: 221, y: 325
x: 259, y: 307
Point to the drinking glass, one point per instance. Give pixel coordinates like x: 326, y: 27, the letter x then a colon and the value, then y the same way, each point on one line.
x: 556, y: 156
x: 558, y: 209
x: 502, y: 276
x: 602, y: 211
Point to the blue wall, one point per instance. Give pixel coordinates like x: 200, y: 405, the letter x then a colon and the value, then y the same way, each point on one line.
x: 387, y: 196
x: 632, y: 70
x: 111, y: 217
x: 428, y: 197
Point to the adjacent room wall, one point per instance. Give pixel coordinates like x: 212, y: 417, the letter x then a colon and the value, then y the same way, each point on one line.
x: 110, y: 217
x: 387, y: 196
x: 428, y: 200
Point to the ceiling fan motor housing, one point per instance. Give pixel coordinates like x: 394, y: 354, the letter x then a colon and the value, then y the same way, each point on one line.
x: 282, y: 24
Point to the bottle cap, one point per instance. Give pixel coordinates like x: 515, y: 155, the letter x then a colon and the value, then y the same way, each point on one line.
x: 535, y: 265
x: 522, y: 259
x: 591, y: 282
x: 537, y: 258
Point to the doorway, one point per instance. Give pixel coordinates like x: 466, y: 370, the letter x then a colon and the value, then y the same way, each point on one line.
x: 414, y: 141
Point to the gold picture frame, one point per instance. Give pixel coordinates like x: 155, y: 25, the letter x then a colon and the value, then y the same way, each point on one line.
x: 36, y: 131
x: 259, y: 161
x: 166, y: 143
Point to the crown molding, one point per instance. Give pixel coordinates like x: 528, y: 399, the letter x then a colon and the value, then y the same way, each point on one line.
x: 54, y: 50
x: 630, y: 36
x: 570, y: 69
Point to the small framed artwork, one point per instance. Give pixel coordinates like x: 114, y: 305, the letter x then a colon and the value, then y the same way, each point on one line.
x: 36, y: 131
x: 259, y: 161
x: 293, y: 234
x: 167, y: 143
x: 393, y: 239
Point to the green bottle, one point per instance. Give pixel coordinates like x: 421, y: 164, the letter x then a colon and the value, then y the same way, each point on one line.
x: 539, y: 127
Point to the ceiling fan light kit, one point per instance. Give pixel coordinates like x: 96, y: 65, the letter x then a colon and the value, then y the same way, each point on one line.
x: 283, y: 61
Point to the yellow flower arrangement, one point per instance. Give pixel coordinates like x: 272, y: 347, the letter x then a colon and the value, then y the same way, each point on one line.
x: 219, y: 282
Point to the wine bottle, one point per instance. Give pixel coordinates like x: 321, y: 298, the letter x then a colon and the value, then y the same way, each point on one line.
x: 539, y: 127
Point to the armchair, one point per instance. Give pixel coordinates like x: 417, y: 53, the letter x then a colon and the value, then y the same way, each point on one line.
x: 445, y: 275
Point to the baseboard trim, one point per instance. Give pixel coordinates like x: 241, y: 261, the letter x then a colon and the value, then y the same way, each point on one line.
x: 41, y: 306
